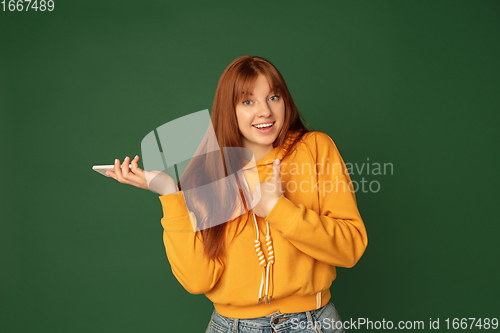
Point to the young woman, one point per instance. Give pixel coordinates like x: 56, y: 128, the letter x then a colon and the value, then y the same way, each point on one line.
x: 269, y: 269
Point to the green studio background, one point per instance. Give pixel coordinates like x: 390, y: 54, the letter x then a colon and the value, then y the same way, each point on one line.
x: 410, y: 83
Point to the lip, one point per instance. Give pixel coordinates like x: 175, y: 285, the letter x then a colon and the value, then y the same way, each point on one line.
x: 266, y: 129
x: 267, y: 122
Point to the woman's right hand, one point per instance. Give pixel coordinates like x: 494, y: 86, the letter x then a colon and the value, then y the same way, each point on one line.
x: 155, y: 181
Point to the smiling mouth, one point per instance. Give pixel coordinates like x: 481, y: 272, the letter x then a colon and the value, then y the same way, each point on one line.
x: 264, y: 127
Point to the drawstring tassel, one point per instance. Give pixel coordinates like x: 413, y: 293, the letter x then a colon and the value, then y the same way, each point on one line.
x: 262, y: 264
x: 267, y: 283
x: 271, y: 289
x: 261, y: 284
x: 270, y: 261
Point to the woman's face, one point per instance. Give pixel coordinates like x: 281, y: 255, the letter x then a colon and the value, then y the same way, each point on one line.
x: 263, y: 107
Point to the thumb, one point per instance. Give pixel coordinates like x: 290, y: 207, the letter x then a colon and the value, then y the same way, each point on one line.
x: 277, y: 171
x: 256, y: 196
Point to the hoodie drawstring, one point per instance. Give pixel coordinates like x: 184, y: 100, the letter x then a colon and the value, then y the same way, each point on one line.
x: 268, y: 273
x: 263, y: 264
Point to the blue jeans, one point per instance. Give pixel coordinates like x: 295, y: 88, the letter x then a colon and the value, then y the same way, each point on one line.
x: 322, y: 320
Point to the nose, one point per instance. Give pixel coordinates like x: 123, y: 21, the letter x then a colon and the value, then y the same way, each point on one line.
x: 264, y: 110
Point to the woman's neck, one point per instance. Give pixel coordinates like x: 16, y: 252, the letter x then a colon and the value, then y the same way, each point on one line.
x: 259, y: 151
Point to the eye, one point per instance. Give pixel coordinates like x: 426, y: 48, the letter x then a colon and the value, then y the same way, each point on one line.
x: 274, y: 98
x: 247, y: 102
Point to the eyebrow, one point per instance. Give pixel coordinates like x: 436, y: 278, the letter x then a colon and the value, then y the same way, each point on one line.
x: 270, y: 93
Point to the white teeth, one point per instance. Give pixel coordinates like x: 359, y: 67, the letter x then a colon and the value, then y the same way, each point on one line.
x: 263, y: 125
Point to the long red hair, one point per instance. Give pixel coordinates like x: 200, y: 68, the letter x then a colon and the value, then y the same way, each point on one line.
x: 236, y: 82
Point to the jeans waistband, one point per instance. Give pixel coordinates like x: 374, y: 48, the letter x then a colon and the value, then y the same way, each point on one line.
x: 276, y: 320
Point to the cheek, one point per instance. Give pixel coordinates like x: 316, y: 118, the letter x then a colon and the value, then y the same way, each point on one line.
x: 243, y: 120
x: 281, y: 118
x: 280, y: 126
x: 281, y: 113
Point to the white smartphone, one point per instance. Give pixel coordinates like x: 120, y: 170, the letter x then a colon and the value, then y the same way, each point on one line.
x: 103, y: 168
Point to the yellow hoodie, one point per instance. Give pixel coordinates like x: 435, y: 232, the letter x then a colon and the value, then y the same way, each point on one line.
x: 314, y: 227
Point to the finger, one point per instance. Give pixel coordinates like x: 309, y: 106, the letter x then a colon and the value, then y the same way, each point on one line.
x: 256, y: 195
x: 277, y: 171
x: 133, y: 174
x: 139, y: 174
x: 118, y: 170
x: 135, y: 167
x: 125, y: 168
x: 111, y: 174
x: 131, y: 177
x: 277, y: 176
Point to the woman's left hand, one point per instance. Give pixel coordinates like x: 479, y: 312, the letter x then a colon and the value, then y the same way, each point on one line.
x: 267, y: 193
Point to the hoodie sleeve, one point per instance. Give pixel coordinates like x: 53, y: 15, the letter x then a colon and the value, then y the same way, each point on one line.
x: 335, y: 234
x: 184, y: 247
